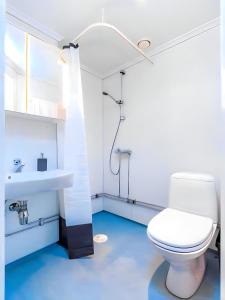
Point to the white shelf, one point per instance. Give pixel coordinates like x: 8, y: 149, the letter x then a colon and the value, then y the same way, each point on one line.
x: 28, y: 116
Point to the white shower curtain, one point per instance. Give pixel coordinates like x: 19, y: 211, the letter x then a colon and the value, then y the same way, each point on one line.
x: 76, y: 205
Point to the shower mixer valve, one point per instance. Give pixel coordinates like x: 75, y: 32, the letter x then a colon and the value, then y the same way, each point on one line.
x: 126, y: 151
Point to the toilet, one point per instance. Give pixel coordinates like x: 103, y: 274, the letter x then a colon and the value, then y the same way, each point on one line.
x: 183, y: 231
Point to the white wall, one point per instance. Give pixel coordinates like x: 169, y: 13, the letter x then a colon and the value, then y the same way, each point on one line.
x: 26, y: 139
x: 2, y: 202
x: 172, y: 118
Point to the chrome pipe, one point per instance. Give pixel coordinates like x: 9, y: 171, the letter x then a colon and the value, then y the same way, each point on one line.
x: 47, y: 220
x: 130, y: 201
x: 36, y: 223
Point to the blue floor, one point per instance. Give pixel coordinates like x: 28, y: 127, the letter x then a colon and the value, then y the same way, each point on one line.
x: 125, y: 267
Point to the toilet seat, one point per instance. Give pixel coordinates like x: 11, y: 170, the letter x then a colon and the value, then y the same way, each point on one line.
x: 180, y: 231
x: 182, y: 250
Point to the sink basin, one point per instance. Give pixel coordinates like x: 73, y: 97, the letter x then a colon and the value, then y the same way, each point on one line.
x: 27, y: 183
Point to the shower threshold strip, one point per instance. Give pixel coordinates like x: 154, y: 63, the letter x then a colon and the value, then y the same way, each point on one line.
x: 47, y: 220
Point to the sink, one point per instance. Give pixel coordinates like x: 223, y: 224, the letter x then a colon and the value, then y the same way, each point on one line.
x: 27, y: 183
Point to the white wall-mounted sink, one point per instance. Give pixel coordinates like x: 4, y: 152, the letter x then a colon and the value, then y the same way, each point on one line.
x: 27, y: 183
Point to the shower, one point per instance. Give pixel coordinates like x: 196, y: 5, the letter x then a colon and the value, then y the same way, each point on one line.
x: 120, y: 153
x: 116, y: 101
x: 120, y: 102
x: 62, y: 60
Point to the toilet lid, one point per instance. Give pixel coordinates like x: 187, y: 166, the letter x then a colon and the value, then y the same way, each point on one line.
x: 180, y: 229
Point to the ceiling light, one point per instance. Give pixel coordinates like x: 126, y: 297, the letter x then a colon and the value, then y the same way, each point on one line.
x: 143, y: 44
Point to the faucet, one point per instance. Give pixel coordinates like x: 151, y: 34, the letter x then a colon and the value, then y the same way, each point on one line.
x: 18, y: 165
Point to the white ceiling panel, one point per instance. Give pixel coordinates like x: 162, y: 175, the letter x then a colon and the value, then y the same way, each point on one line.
x: 101, y: 50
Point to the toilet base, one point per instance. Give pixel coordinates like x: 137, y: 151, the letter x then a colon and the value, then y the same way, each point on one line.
x: 184, y: 277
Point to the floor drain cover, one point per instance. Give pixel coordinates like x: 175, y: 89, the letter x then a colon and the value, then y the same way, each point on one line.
x: 100, y: 238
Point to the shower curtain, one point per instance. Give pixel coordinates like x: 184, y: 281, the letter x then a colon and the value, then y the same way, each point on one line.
x: 75, y: 210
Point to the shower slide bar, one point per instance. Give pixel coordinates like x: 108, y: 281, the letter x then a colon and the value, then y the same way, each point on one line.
x: 113, y: 28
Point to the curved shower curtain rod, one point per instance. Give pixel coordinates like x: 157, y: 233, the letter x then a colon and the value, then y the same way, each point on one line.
x: 112, y: 27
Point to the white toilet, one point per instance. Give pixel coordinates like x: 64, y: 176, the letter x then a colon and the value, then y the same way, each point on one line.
x: 183, y: 232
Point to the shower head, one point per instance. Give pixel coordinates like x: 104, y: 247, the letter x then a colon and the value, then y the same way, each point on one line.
x: 116, y: 101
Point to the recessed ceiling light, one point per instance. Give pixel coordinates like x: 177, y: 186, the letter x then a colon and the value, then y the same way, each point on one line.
x: 143, y: 44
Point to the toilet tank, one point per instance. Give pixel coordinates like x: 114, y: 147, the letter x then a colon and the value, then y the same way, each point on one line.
x: 194, y: 193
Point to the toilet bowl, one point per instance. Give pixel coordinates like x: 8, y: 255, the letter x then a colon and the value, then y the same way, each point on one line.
x: 183, y: 232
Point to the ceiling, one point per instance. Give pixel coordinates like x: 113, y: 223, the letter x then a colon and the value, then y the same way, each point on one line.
x: 101, y: 50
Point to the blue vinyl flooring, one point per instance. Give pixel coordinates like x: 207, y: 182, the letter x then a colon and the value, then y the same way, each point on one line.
x: 126, y: 267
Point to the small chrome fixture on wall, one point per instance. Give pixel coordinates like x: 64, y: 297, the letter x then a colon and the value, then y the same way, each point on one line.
x: 18, y: 165
x: 126, y: 151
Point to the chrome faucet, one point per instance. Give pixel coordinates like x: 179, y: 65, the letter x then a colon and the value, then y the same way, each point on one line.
x: 18, y: 165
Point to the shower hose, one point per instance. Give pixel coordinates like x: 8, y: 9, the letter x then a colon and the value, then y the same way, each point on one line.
x: 115, y: 172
